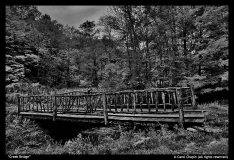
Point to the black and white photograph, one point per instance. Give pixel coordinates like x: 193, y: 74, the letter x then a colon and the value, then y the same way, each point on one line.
x: 117, y: 80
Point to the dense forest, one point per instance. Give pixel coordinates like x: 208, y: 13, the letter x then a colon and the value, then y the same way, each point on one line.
x: 131, y: 47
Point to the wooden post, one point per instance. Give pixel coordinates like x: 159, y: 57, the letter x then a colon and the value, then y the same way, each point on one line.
x: 105, y: 113
x: 192, y: 96
x: 164, y: 102
x: 156, y: 101
x: 18, y: 98
x: 180, y: 106
x: 55, y: 108
x: 134, y: 102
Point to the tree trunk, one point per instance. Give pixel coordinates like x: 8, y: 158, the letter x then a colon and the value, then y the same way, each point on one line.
x: 129, y: 56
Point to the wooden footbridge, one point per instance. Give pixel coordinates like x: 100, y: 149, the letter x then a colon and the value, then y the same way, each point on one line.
x: 173, y: 104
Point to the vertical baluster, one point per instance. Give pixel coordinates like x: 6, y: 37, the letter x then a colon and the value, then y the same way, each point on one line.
x: 172, y: 101
x: 40, y: 103
x: 36, y: 102
x: 121, y: 101
x: 136, y: 97
x: 128, y: 101
x: 141, y: 101
x: 51, y: 105
x: 164, y: 102
x: 109, y: 102
x: 180, y: 105
x: 55, y: 108
x: 32, y: 102
x: 105, y: 113
x: 78, y: 103
x: 115, y: 102
x: 192, y: 96
x: 152, y: 99
x: 18, y: 99
x: 124, y: 98
x: 174, y: 98
x: 134, y: 101
x: 44, y: 104
x: 148, y: 98
x: 22, y: 104
x: 156, y: 101
x: 169, y: 97
x: 29, y: 106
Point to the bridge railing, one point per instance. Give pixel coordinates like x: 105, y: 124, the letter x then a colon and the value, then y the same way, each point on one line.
x: 149, y: 100
x: 137, y: 101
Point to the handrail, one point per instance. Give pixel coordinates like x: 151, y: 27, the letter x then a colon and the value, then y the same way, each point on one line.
x: 134, y: 100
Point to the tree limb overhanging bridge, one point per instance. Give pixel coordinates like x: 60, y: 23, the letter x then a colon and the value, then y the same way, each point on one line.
x: 172, y: 104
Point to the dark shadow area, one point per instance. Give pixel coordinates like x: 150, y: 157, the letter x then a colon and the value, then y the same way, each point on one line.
x: 213, y: 96
x: 62, y: 131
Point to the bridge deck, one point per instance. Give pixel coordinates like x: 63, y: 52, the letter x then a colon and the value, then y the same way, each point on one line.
x: 195, y: 116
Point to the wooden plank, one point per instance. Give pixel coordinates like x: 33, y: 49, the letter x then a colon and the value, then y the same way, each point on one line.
x: 93, y: 117
x: 176, y: 116
x: 134, y: 119
x: 156, y: 115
